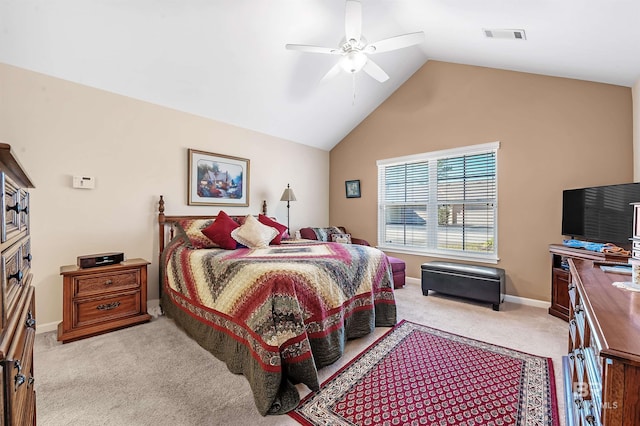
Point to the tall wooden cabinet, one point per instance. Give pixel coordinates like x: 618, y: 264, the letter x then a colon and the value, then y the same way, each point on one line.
x: 602, y: 367
x: 17, y: 316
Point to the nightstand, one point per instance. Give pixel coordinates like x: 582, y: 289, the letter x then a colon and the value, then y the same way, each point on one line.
x: 102, y: 299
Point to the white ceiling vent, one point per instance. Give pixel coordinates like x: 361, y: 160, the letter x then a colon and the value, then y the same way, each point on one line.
x: 506, y: 34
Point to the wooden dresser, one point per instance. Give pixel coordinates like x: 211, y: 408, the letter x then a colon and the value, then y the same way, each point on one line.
x: 101, y: 299
x: 602, y: 369
x: 17, y: 335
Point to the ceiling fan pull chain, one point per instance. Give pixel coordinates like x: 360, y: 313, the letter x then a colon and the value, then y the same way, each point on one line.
x: 353, y: 102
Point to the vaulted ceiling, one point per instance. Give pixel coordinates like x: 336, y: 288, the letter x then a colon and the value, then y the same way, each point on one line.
x: 225, y: 59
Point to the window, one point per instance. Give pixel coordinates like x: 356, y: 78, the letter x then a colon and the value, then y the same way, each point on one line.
x: 440, y: 203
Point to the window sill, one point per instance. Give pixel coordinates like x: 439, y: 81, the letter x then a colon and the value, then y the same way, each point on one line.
x: 493, y: 259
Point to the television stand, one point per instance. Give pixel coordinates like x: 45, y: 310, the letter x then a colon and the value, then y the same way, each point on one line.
x: 560, y: 274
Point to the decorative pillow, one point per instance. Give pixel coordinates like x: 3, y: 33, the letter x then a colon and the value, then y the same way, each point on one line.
x: 192, y: 229
x: 282, y: 230
x: 341, y: 238
x: 254, y: 234
x: 220, y: 231
x: 324, y: 234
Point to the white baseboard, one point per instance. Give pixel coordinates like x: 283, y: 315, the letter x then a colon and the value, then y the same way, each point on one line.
x: 525, y: 301
x: 153, y: 307
x: 45, y: 328
x: 507, y: 298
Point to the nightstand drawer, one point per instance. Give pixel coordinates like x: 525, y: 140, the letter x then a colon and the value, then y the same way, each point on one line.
x: 106, y: 309
x: 99, y: 284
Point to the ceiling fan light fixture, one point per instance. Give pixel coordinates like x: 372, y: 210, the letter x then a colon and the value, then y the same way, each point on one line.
x: 354, y: 48
x: 353, y: 61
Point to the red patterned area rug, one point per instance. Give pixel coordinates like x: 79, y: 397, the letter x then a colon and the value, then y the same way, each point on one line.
x: 417, y: 375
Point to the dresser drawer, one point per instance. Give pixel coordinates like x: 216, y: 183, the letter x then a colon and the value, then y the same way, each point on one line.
x: 25, y: 255
x: 101, y: 283
x: 23, y: 220
x: 10, y: 209
x: 106, y: 309
x: 19, y: 365
x: 21, y: 382
x: 15, y: 274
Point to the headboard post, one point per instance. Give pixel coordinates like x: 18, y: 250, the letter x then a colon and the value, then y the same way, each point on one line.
x: 161, y: 221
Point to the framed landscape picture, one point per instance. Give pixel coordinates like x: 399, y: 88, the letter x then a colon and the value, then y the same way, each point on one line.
x: 353, y: 188
x: 217, y: 180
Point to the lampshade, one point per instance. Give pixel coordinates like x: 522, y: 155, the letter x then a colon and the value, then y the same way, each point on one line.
x: 353, y: 61
x: 288, y: 195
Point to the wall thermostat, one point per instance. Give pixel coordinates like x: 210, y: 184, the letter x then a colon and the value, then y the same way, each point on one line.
x: 85, y: 182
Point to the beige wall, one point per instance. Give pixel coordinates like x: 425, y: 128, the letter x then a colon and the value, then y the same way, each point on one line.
x: 136, y: 151
x: 555, y: 134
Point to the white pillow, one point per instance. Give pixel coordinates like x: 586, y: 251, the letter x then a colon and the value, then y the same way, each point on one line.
x: 254, y: 234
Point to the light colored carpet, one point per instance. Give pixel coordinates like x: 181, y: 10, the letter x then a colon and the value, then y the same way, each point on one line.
x: 154, y: 374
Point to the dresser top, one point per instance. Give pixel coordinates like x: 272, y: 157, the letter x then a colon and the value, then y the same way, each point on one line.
x: 10, y: 165
x: 613, y: 312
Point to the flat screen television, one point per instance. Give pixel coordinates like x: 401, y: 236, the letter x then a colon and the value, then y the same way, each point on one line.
x: 600, y: 213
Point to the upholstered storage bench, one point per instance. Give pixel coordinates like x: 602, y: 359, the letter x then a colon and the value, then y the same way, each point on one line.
x: 398, y: 268
x: 481, y: 283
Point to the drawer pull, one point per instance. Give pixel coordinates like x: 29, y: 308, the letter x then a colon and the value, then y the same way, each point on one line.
x: 571, y: 287
x: 31, y: 381
x: 578, y: 309
x: 25, y: 209
x: 15, y: 207
x: 27, y: 257
x: 108, y: 306
x: 19, y: 379
x: 31, y: 321
x: 17, y: 276
x: 108, y: 282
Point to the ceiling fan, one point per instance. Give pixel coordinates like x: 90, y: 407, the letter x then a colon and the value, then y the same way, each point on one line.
x: 355, y: 49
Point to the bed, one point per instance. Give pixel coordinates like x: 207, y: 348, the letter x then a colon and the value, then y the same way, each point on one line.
x: 274, y: 313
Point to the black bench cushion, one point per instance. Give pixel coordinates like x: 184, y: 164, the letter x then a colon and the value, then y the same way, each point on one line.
x: 479, y: 271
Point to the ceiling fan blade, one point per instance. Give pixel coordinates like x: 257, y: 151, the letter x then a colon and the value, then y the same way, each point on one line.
x: 353, y: 20
x: 397, y: 42
x: 375, y: 71
x: 313, y: 49
x: 332, y: 72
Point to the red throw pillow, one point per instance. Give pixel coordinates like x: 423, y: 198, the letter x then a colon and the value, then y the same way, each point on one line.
x: 282, y: 229
x: 220, y: 231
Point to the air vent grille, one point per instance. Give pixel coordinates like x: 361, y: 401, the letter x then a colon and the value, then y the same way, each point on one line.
x: 505, y: 34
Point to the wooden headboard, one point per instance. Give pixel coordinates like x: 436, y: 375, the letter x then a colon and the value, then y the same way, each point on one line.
x: 166, y: 224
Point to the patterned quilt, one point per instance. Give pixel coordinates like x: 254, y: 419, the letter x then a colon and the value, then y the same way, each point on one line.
x: 276, y: 314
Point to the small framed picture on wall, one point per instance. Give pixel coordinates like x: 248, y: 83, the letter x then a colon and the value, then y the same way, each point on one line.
x: 352, y: 188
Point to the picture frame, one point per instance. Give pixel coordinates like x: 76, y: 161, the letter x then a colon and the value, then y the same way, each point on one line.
x: 217, y: 179
x: 352, y: 188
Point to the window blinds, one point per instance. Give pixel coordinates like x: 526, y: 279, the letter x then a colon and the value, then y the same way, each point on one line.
x: 441, y: 202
